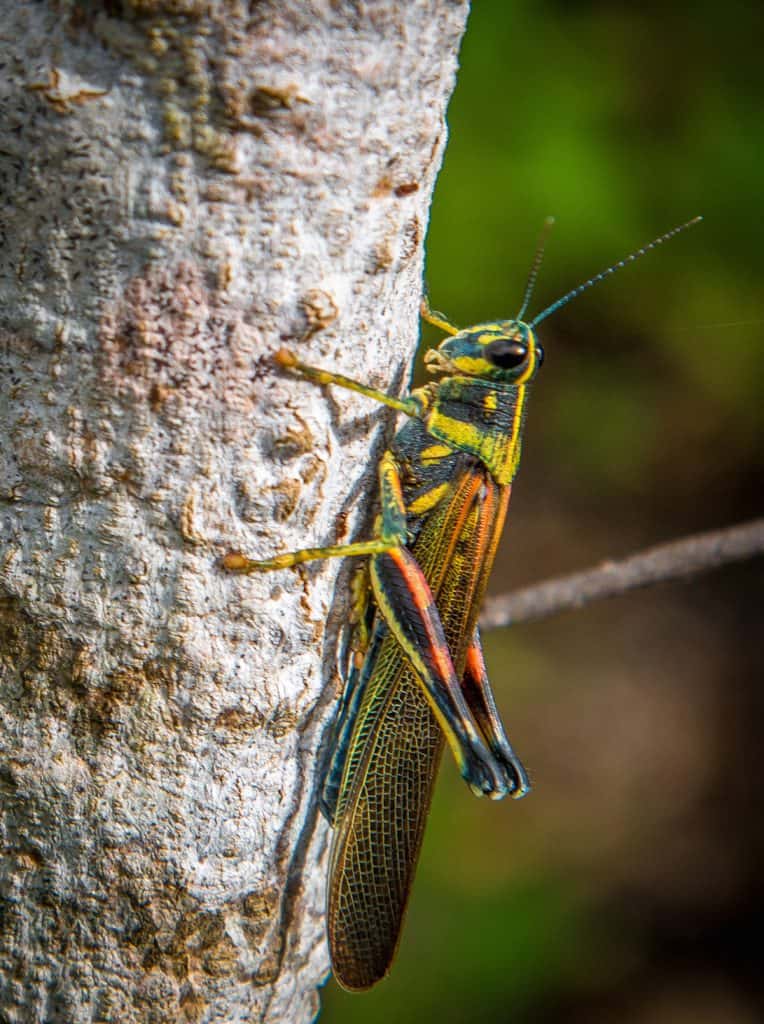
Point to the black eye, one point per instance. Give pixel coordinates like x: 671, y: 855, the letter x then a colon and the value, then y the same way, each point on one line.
x: 506, y: 353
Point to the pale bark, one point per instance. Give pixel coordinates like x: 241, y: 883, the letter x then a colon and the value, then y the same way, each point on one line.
x: 183, y: 188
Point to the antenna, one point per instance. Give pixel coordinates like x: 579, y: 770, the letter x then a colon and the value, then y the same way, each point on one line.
x: 533, y: 274
x: 606, y: 273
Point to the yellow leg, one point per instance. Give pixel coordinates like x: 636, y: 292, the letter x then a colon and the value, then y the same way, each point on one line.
x: 360, y: 589
x: 286, y: 358
x: 236, y: 562
x: 435, y: 318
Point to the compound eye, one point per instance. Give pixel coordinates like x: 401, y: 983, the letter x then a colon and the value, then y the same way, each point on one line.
x: 506, y: 353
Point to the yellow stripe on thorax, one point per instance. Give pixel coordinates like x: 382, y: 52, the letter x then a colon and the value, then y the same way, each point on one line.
x: 517, y: 423
x: 497, y: 446
x: 434, y: 453
x: 427, y: 501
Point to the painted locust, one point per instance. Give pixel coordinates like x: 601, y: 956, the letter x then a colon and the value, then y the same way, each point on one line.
x: 420, y: 679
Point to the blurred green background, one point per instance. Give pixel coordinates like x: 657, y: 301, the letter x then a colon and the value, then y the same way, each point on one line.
x: 629, y: 886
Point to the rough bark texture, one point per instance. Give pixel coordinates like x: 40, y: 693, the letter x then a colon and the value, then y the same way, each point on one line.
x: 183, y: 186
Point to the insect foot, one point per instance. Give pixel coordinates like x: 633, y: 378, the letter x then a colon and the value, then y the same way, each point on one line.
x: 484, y: 774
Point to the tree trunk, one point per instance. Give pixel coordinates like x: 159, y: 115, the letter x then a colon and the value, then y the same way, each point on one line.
x: 185, y: 187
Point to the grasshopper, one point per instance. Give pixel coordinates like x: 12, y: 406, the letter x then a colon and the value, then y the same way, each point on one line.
x: 420, y: 677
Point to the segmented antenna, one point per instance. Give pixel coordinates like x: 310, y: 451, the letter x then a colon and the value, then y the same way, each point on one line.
x: 606, y: 273
x: 533, y: 274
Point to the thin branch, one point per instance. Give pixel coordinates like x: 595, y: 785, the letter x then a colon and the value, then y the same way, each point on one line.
x: 677, y: 560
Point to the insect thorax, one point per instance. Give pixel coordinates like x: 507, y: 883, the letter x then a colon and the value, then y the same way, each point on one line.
x: 482, y: 418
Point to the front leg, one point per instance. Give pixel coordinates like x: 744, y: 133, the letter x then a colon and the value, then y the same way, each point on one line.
x: 432, y: 316
x: 289, y: 361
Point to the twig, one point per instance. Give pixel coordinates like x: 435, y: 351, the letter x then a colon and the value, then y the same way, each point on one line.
x: 673, y: 561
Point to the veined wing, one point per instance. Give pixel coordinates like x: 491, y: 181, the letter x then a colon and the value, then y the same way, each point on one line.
x: 396, y: 743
